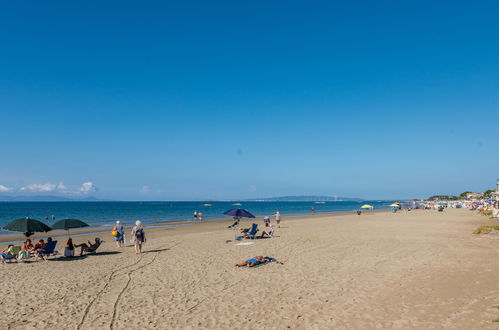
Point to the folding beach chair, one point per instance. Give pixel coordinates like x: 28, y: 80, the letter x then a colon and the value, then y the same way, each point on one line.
x: 252, y: 233
x: 11, y: 254
x: 49, y: 250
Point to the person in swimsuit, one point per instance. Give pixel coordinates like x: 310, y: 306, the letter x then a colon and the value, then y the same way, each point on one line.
x: 90, y: 247
x: 252, y: 262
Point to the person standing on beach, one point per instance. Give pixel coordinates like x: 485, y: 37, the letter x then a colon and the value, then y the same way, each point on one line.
x: 200, y: 216
x: 120, y: 234
x: 278, y: 218
x: 313, y: 210
x: 195, y: 216
x: 138, y: 236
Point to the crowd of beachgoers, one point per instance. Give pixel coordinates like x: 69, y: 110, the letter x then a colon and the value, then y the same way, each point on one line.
x: 43, y: 249
x: 491, y: 205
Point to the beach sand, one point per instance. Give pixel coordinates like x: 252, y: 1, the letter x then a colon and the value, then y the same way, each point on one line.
x: 410, y: 270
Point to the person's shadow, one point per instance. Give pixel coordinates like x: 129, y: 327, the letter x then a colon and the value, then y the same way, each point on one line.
x: 78, y: 257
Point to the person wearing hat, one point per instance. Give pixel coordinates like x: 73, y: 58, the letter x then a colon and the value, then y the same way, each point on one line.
x: 119, y: 234
x: 138, y: 236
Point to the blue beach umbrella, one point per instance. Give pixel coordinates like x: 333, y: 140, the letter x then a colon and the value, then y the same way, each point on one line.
x: 241, y: 213
x: 491, y: 199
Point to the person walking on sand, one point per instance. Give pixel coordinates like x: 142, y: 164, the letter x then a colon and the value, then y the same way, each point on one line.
x: 120, y: 234
x: 138, y: 236
x: 195, y: 216
x: 200, y: 216
x: 278, y: 218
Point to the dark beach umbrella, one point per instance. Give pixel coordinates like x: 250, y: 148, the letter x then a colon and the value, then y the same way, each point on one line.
x: 27, y: 226
x: 68, y: 224
x: 241, y: 213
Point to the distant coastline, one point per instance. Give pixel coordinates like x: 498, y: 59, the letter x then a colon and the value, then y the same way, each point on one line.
x: 300, y: 198
x: 306, y: 198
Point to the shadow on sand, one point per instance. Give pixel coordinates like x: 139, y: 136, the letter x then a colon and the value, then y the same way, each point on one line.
x: 78, y: 257
x: 156, y: 250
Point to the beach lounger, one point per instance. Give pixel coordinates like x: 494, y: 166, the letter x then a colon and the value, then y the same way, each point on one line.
x: 269, y: 234
x: 11, y: 254
x: 49, y: 250
x: 252, y: 233
x: 91, y: 250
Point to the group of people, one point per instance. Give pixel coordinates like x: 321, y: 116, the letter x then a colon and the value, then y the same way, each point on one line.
x: 198, y: 216
x: 277, y: 216
x: 138, y: 236
x: 41, y: 249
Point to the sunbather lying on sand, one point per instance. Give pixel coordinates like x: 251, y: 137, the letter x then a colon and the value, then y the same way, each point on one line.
x: 256, y: 261
x: 252, y: 262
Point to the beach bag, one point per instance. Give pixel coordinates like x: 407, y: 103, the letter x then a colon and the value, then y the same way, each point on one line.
x: 69, y: 252
x: 114, y: 233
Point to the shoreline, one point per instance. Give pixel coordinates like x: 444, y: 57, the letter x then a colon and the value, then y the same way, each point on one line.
x: 10, y: 238
x: 401, y: 270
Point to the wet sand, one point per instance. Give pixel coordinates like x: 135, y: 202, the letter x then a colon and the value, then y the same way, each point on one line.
x: 410, y: 270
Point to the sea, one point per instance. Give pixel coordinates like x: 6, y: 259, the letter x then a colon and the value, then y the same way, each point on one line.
x: 101, y: 214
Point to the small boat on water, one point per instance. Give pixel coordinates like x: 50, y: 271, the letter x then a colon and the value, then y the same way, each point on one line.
x: 207, y: 205
x: 320, y: 202
x: 237, y: 204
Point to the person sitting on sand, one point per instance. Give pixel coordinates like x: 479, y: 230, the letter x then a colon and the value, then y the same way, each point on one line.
x: 39, y: 248
x: 89, y: 247
x: 40, y: 245
x: 27, y: 246
x: 252, y: 262
x: 236, y: 222
x: 69, y: 249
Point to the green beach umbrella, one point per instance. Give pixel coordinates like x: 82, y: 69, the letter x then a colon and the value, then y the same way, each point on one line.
x: 27, y: 226
x: 68, y: 224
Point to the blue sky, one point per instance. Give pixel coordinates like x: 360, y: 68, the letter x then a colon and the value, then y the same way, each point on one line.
x: 226, y: 100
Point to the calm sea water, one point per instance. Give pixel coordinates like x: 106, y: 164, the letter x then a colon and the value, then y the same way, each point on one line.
x: 105, y: 213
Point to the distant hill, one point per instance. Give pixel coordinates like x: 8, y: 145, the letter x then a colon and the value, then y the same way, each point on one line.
x: 47, y: 198
x: 307, y: 199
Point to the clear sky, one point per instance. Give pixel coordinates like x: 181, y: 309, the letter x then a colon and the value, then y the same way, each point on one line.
x: 184, y: 100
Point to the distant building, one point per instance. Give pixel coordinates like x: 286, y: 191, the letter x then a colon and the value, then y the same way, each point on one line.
x: 474, y: 195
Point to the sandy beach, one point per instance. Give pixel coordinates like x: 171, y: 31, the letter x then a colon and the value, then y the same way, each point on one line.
x: 409, y: 270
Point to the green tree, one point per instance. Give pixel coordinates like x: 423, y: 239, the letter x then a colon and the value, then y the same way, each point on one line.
x: 463, y: 195
x: 488, y: 193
